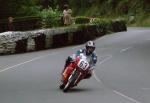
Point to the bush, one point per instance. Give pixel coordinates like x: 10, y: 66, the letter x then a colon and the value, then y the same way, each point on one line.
x: 82, y: 20
x: 31, y: 10
x: 50, y: 17
x: 103, y: 24
x: 119, y: 25
x: 26, y: 18
x: 27, y: 23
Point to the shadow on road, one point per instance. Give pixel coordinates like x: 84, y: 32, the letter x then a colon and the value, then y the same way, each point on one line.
x: 78, y: 90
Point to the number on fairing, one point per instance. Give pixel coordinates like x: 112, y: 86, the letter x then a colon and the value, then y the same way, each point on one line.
x: 83, y: 64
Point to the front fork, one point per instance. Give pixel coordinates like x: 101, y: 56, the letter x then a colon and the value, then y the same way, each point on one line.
x: 69, y: 75
x: 78, y: 79
x: 65, y: 75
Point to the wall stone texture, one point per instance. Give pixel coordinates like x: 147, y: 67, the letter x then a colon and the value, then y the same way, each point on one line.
x: 19, y: 42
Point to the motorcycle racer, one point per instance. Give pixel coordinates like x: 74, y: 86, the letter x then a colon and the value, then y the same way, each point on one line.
x: 89, y: 52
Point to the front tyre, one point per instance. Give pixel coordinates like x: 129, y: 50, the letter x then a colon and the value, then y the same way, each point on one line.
x: 71, y: 80
x: 61, y: 86
x: 66, y: 88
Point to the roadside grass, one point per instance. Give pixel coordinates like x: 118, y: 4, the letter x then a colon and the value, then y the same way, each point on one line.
x: 141, y: 20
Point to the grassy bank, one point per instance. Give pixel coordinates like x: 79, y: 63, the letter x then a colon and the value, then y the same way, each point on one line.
x: 136, y: 12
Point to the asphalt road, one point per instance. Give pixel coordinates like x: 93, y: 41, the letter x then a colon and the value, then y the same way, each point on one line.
x: 122, y: 74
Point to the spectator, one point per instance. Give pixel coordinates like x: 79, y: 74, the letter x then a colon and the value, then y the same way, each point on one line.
x: 67, y: 19
x: 10, y: 24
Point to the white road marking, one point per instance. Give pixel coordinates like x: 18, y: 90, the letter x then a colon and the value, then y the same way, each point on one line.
x: 97, y: 79
x: 145, y: 88
x: 123, y: 50
x: 109, y: 57
x: 8, y: 68
x: 125, y: 96
x: 95, y: 76
x: 116, y: 92
x: 147, y: 39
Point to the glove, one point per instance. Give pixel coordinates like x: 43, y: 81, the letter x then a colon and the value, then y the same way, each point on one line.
x: 71, y: 59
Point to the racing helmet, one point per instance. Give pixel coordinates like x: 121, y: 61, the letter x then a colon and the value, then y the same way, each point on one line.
x: 90, y: 47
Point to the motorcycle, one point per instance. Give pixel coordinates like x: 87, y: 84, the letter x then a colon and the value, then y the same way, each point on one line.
x: 74, y: 73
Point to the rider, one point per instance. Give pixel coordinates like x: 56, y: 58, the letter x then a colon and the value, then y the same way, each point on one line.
x: 89, y: 52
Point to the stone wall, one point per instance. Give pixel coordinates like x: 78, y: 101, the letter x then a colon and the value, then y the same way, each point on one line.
x: 19, y: 42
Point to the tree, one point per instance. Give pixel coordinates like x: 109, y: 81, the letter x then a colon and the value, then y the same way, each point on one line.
x: 16, y: 7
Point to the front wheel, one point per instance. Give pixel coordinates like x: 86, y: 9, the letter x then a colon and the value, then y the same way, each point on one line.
x: 62, y: 86
x: 66, y: 88
x: 72, y: 80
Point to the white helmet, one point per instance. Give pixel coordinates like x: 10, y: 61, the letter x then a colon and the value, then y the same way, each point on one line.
x: 90, y: 47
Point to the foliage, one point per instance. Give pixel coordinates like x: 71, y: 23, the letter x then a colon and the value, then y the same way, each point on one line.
x: 102, y: 23
x: 120, y: 19
x: 29, y: 10
x: 94, y: 8
x: 18, y: 7
x: 26, y: 18
x: 50, y: 17
x: 141, y: 20
x: 82, y: 20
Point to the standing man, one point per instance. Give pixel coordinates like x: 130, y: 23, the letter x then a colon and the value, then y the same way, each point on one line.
x: 67, y: 15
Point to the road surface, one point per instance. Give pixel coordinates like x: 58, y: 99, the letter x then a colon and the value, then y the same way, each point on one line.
x: 122, y: 74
